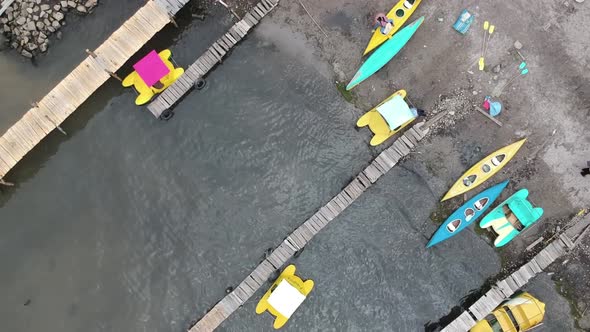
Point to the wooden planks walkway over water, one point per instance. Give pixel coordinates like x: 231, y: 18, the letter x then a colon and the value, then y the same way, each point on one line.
x: 210, y: 58
x: 505, y: 288
x: 47, y: 114
x: 304, y: 233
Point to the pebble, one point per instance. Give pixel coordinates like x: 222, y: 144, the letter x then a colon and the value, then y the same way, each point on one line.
x: 475, y: 93
x: 497, y: 68
x: 440, y: 19
x: 517, y: 45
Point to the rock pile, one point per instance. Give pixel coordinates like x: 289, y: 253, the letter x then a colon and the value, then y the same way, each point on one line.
x: 28, y: 23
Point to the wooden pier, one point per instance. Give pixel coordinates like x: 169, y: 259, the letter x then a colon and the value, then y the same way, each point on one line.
x: 303, y: 234
x: 505, y: 288
x: 48, y: 113
x: 210, y: 58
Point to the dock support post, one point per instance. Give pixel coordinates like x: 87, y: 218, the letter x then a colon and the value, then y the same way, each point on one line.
x: 173, y: 21
x: 113, y: 75
x: 89, y: 52
x: 57, y: 126
x: 8, y: 184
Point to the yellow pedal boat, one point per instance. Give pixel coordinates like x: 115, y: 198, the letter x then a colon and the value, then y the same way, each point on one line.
x: 484, y: 170
x: 284, y: 296
x: 387, y: 118
x: 399, y: 14
x: 152, y: 76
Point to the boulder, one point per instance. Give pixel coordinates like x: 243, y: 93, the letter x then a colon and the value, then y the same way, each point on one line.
x: 72, y: 4
x: 26, y: 54
x: 45, y: 7
x: 55, y: 25
x: 58, y: 35
x: 40, y: 25
x: 91, y: 4
x: 35, y: 9
x: 21, y: 20
x: 43, y: 47
x: 81, y: 9
x: 31, y: 26
x: 51, y: 29
x: 31, y: 46
x: 64, y: 5
x: 46, y: 22
x: 35, y: 18
x: 57, y: 8
x: 4, y: 20
x: 29, y: 10
x: 58, y: 16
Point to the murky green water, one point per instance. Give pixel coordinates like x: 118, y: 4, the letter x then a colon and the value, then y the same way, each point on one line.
x: 132, y: 224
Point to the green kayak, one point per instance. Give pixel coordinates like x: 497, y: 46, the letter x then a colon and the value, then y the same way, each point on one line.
x: 385, y: 53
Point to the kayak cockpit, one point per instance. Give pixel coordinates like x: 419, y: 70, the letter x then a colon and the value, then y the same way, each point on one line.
x: 453, y: 225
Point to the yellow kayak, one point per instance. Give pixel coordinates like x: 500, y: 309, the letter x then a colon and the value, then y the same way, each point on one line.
x: 484, y: 170
x: 399, y: 14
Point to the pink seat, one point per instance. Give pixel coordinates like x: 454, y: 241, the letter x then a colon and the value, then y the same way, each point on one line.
x: 151, y: 68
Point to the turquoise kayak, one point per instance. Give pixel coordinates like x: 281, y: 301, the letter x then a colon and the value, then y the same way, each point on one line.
x: 385, y: 53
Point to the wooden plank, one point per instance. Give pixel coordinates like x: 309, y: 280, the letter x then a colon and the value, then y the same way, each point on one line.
x: 230, y: 37
x: 256, y: 14
x: 220, y: 51
x: 223, y: 44
x: 407, y: 141
x: 251, y: 19
x: 258, y: 11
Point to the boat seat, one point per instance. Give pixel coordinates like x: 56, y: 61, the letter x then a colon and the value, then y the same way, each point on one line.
x: 512, y: 218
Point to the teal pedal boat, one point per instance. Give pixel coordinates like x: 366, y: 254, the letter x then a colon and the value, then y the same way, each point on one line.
x: 511, y: 217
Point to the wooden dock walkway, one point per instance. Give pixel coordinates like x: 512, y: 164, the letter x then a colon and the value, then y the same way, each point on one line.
x: 210, y: 58
x: 48, y: 113
x: 303, y: 234
x: 505, y: 288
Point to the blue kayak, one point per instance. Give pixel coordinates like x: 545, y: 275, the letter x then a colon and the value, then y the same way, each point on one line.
x: 467, y: 213
x: 385, y: 53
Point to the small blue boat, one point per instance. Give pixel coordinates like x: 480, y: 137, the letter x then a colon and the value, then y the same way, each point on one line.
x: 467, y: 213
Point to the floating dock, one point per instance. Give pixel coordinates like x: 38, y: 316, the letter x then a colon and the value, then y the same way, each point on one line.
x: 210, y: 58
x: 297, y: 240
x: 505, y: 288
x: 47, y: 114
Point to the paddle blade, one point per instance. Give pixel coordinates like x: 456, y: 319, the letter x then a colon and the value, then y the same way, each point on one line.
x: 492, y: 28
x: 486, y: 25
x: 522, y: 65
x: 481, y: 64
x: 524, y: 72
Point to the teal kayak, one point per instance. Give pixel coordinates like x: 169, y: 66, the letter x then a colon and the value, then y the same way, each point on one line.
x: 385, y: 53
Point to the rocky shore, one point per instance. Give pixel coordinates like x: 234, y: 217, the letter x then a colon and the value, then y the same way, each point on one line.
x: 28, y: 24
